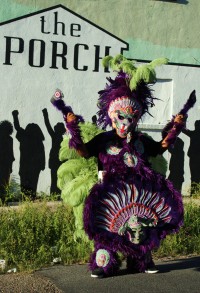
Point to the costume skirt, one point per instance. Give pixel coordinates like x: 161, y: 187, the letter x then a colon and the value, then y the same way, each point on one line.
x: 131, y: 215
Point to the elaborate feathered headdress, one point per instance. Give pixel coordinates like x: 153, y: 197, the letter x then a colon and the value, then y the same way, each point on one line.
x: 131, y: 81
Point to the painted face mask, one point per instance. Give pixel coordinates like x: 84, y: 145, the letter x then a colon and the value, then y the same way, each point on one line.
x: 124, y: 114
x: 135, y: 228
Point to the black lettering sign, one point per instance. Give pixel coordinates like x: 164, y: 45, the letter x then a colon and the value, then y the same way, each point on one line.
x: 76, y: 56
x: 32, y: 55
x: 9, y: 50
x: 98, y: 58
x: 56, y: 23
x: 62, y: 55
x: 42, y: 25
x: 75, y: 28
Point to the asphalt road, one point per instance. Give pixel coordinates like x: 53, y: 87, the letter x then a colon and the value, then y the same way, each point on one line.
x: 174, y: 276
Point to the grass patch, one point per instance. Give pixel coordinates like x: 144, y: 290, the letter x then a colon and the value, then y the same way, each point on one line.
x: 33, y: 234
x: 187, y: 240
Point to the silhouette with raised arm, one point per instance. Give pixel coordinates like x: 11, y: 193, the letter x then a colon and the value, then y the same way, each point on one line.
x: 6, y: 156
x: 32, y: 155
x: 193, y: 152
x: 176, y: 165
x: 54, y: 162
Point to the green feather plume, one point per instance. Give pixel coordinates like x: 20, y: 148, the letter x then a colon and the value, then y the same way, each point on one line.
x: 88, y: 131
x: 77, y: 190
x: 158, y: 62
x: 158, y: 163
x: 128, y: 67
x: 65, y: 152
x: 77, y: 175
x: 145, y: 72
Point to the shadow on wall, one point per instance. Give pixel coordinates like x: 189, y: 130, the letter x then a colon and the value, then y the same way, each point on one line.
x: 32, y: 155
x: 176, y: 164
x: 56, y: 137
x: 6, y: 156
x: 193, y: 152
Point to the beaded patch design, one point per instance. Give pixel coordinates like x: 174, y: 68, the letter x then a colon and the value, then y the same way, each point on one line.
x: 102, y: 258
x: 120, y: 204
x: 113, y: 150
x: 130, y: 160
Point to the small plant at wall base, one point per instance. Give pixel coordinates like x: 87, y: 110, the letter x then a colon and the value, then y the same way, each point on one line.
x: 195, y: 190
x: 14, y: 195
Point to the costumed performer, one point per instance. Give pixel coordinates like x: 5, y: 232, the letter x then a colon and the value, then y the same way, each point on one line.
x: 133, y: 207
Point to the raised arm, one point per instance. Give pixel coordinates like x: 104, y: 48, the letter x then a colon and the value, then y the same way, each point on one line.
x: 47, y: 122
x: 177, y: 124
x: 15, y: 114
x: 71, y: 122
x: 171, y: 135
x: 187, y: 132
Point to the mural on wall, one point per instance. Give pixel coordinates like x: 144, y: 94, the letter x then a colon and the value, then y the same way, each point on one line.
x: 193, y: 152
x: 39, y: 52
x: 6, y: 156
x: 32, y: 156
x: 176, y: 164
x: 56, y: 135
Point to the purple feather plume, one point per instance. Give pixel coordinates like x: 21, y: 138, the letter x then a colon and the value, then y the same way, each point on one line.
x: 60, y: 105
x: 73, y: 127
x: 57, y: 101
x: 189, y: 104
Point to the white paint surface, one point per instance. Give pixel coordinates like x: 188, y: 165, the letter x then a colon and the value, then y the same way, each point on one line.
x: 29, y: 89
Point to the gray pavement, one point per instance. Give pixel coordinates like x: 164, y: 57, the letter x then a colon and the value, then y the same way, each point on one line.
x: 174, y: 276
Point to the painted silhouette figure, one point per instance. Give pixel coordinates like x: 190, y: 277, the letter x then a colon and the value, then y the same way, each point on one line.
x: 6, y: 156
x: 32, y: 155
x: 193, y: 152
x: 54, y: 162
x: 176, y: 165
x: 94, y: 119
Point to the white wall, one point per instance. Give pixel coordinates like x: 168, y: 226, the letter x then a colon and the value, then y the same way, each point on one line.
x: 175, y: 85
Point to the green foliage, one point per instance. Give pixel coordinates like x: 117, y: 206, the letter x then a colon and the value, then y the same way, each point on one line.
x: 195, y: 190
x: 33, y: 234
x: 187, y: 240
x: 13, y: 194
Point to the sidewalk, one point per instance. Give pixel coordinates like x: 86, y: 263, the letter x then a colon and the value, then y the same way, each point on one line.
x: 175, y: 276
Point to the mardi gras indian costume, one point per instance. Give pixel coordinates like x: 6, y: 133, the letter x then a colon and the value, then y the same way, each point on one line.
x: 132, y: 208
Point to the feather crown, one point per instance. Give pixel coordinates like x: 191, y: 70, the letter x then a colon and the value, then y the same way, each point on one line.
x: 131, y: 81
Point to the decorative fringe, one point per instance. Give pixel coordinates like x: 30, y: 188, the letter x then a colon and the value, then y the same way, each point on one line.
x: 57, y: 101
x: 75, y: 141
x: 189, y: 104
x: 173, y: 133
x: 114, y: 262
x: 60, y: 105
